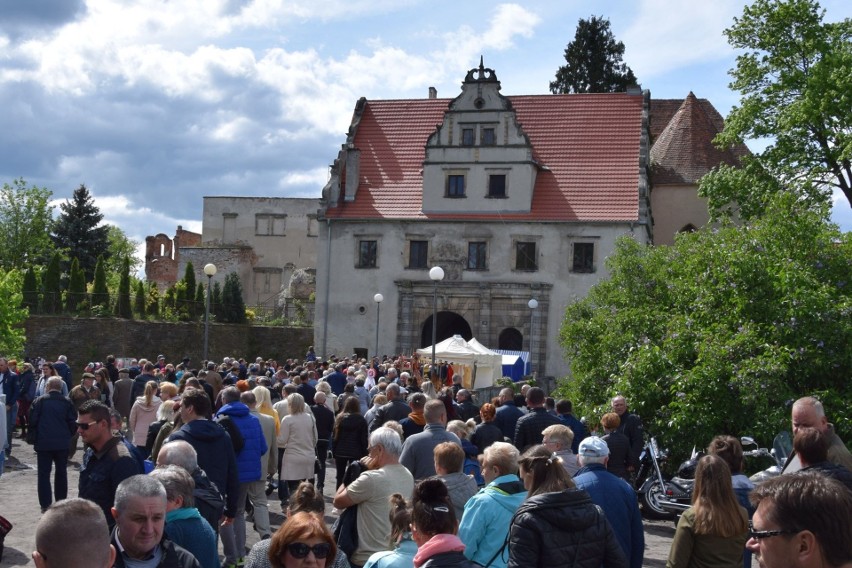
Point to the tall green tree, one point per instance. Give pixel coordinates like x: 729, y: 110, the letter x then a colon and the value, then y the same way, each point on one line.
x: 200, y: 299
x: 123, y: 308
x: 30, y: 291
x: 121, y: 246
x: 100, y: 291
x: 593, y: 62
x: 233, y: 306
x: 794, y: 76
x: 139, y: 300
x: 216, y: 302
x: 76, y: 231
x: 12, y: 314
x: 26, y: 218
x: 714, y: 334
x: 76, y: 295
x: 52, y: 287
x: 186, y: 294
x: 152, y: 300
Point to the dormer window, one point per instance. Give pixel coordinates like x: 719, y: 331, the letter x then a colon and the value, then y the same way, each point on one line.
x: 468, y: 136
x: 497, y: 185
x: 455, y: 185
x: 489, y: 137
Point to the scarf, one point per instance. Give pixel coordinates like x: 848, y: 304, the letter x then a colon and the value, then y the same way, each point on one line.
x: 436, y: 545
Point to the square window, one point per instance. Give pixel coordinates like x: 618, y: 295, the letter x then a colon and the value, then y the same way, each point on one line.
x: 497, y: 185
x: 525, y: 256
x: 468, y: 137
x: 418, y: 254
x: 367, y: 252
x: 455, y: 185
x: 477, y: 256
x: 489, y: 137
x: 584, y: 257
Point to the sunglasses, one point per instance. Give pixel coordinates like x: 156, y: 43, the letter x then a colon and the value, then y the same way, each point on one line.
x: 300, y: 550
x: 85, y: 425
x: 757, y: 535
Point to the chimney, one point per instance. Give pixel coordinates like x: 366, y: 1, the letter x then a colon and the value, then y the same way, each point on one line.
x: 433, y: 93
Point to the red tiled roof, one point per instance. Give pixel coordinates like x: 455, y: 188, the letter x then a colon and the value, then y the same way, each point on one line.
x: 589, y: 144
x: 682, y: 135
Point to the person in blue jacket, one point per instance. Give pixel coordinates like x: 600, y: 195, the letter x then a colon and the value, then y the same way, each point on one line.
x: 614, y: 496
x: 487, y: 515
x: 251, y: 482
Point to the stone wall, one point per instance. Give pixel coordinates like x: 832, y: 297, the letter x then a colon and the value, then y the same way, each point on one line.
x: 92, y: 339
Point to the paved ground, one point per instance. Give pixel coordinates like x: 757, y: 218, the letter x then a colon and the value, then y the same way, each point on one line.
x: 19, y: 504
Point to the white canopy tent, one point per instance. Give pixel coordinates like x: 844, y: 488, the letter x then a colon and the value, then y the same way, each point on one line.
x: 478, y: 365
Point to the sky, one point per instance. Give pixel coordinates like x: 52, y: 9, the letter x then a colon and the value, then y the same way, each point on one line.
x: 153, y: 104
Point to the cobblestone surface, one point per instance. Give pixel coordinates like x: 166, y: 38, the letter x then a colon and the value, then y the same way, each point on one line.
x: 19, y: 504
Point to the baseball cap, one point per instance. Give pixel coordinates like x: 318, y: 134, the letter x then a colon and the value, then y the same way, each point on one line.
x: 593, y: 447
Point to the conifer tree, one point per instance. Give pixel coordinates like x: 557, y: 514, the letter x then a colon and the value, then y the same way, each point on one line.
x: 593, y: 62
x: 122, y: 302
x: 234, y: 308
x: 52, y: 290
x: 30, y: 291
x: 152, y: 301
x: 76, y: 231
x: 139, y: 300
x: 200, y: 298
x: 76, y: 294
x: 100, y: 292
x: 216, y: 302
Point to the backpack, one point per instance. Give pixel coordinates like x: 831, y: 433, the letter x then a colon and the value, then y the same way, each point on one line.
x: 471, y: 467
x: 208, y: 499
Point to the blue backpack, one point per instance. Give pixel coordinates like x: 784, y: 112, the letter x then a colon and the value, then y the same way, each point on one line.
x: 471, y: 467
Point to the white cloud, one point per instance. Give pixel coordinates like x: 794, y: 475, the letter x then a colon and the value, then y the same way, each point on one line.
x: 669, y: 34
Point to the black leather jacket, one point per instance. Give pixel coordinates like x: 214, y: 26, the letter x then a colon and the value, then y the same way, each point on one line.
x: 563, y: 528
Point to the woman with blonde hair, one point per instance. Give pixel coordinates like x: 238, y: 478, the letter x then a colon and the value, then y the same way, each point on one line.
x: 143, y: 413
x: 298, y: 437
x: 714, y: 530
x: 330, y: 397
x: 165, y: 415
x: 168, y: 391
x: 264, y: 405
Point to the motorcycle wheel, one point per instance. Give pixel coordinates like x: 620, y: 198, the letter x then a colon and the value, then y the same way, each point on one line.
x: 650, y: 501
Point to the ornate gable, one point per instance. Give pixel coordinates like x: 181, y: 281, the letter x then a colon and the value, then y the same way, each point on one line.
x: 479, y: 159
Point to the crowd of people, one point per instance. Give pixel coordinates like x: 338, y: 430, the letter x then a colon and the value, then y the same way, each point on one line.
x: 178, y: 459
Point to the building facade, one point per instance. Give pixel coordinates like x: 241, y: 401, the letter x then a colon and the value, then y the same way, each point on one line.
x: 515, y: 198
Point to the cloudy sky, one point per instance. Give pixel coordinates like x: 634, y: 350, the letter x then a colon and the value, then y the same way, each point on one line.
x: 155, y: 103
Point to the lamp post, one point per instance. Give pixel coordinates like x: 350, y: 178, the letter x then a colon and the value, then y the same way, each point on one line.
x: 533, y: 304
x: 210, y: 271
x: 378, y: 298
x: 436, y: 273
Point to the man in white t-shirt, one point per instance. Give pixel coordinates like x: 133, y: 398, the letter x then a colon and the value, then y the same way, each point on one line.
x: 371, y: 492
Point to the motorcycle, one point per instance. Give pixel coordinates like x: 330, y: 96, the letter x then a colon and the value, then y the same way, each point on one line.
x: 650, y: 483
x: 664, y: 498
x: 782, y: 447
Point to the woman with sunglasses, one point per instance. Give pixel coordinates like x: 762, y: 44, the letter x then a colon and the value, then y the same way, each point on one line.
x: 434, y: 527
x: 304, y: 500
x: 714, y: 530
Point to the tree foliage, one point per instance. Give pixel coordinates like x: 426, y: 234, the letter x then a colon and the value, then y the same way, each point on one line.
x: 713, y: 335
x: 593, y: 61
x: 120, y: 247
x: 52, y: 287
x: 123, y: 308
x: 76, y: 231
x: 100, y: 291
x: 26, y: 218
x: 139, y: 300
x: 76, y: 295
x: 795, y: 79
x: 233, y: 306
x: 29, y: 290
x: 12, y: 314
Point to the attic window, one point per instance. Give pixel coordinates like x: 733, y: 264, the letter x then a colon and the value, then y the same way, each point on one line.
x: 489, y: 137
x: 468, y: 136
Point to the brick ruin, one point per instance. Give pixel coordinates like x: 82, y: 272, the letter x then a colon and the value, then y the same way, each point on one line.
x: 162, y: 256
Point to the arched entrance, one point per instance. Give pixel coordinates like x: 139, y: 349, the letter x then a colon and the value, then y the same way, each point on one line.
x: 449, y: 324
x: 510, y: 340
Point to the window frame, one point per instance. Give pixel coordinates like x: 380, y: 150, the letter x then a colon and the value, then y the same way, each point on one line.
x: 588, y: 257
x: 533, y: 260
x: 411, y: 256
x: 365, y: 255
x: 484, y: 256
x: 471, y: 130
x: 451, y: 190
x: 505, y: 194
x: 483, y: 141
